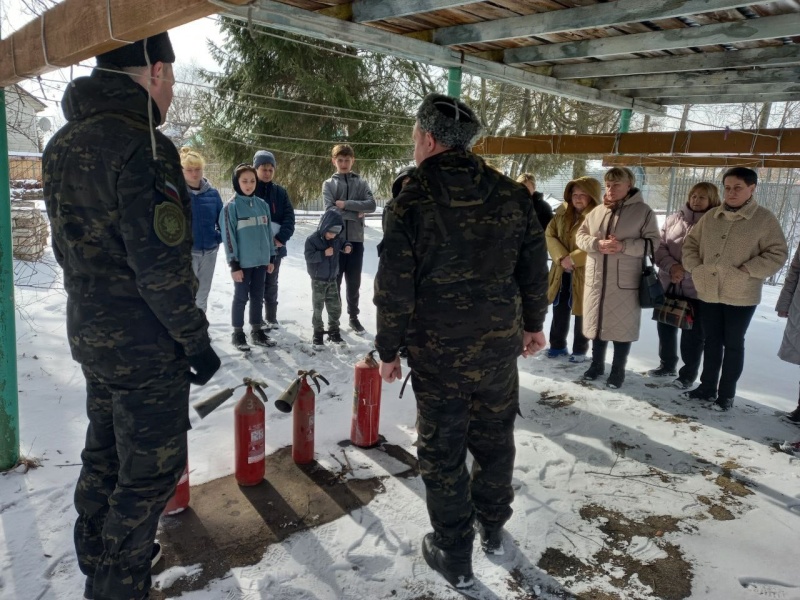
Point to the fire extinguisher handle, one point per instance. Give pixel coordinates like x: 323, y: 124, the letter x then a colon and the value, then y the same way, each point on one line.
x: 259, y: 391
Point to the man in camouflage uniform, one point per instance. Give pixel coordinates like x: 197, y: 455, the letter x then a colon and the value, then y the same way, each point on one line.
x: 121, y: 231
x: 463, y: 280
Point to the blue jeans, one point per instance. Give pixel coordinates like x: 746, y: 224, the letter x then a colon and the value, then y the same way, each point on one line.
x: 252, y: 287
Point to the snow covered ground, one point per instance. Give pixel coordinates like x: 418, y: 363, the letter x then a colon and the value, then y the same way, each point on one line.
x: 634, y: 493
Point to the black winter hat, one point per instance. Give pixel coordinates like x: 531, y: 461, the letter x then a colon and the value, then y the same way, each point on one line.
x: 159, y: 49
x: 451, y: 122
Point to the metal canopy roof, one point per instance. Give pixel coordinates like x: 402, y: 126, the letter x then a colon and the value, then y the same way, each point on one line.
x: 639, y: 54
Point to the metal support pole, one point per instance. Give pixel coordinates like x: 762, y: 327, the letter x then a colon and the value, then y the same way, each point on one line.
x: 9, y: 407
x: 454, y: 82
x: 625, y: 120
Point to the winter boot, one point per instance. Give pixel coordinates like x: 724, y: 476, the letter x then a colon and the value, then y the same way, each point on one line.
x: 155, y: 556
x: 701, y: 393
x: 682, y: 383
x: 616, y: 378
x: 723, y: 404
x: 454, y: 564
x: 594, y: 371
x: 259, y: 338
x: 272, y: 318
x: 239, y: 340
x: 556, y: 352
x: 334, y: 337
x: 662, y: 371
x: 356, y: 326
x: 491, y: 539
x: 318, y: 339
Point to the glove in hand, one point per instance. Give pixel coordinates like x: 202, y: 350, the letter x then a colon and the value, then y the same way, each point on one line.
x: 205, y: 365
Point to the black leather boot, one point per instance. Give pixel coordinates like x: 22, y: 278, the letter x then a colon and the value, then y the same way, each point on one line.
x: 454, y: 564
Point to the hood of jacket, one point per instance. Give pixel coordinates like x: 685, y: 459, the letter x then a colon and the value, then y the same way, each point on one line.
x: 205, y: 185
x: 690, y: 216
x: 238, y: 190
x: 458, y: 178
x: 103, y: 92
x: 330, y: 218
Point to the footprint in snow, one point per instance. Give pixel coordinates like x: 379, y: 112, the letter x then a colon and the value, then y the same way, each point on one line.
x: 768, y: 588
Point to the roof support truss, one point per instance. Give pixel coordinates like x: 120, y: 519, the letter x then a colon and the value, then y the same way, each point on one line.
x: 376, y: 10
x: 764, y: 141
x: 75, y: 30
x: 784, y: 161
x: 685, y: 80
x: 295, y: 20
x: 734, y: 99
x: 774, y: 56
x: 706, y: 35
x: 571, y: 19
x: 721, y: 91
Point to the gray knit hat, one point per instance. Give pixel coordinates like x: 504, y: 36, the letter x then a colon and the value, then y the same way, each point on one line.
x: 264, y: 157
x: 451, y: 122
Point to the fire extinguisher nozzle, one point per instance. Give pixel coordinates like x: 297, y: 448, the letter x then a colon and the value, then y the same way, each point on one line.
x: 207, y: 406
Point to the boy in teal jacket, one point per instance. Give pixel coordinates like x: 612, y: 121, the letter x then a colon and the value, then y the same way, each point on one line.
x: 247, y: 238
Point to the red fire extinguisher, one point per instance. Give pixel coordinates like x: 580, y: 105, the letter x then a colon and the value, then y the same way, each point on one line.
x: 366, y: 402
x: 180, y: 499
x: 249, y: 436
x: 299, y: 398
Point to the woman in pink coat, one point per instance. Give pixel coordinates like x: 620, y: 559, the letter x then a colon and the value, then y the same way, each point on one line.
x: 702, y: 197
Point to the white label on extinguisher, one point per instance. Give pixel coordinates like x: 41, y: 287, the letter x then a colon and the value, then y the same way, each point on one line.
x: 255, y: 449
x: 310, y: 431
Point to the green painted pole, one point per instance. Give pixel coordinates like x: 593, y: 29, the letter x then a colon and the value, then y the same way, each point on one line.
x: 9, y: 406
x: 625, y: 120
x: 454, y: 82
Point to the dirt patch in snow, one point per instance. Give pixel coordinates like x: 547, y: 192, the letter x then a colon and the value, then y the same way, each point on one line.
x: 669, y: 577
x: 548, y: 398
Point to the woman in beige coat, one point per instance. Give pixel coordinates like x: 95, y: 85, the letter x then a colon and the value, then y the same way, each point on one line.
x: 730, y: 253
x: 565, y: 284
x: 615, y: 237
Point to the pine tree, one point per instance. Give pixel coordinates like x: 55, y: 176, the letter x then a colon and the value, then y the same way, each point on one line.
x: 297, y: 98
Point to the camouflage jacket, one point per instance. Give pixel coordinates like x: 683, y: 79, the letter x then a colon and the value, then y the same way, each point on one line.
x: 121, y: 228
x: 462, y: 269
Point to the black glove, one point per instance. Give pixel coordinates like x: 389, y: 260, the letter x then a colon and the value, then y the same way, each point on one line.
x: 205, y: 365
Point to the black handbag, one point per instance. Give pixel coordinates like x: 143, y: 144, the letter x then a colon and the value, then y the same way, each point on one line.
x: 674, y: 310
x: 651, y: 293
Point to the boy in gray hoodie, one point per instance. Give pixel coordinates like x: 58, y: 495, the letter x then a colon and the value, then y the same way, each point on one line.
x: 350, y: 195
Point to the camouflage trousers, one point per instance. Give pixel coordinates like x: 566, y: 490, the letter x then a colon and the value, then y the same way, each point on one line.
x: 452, y: 419
x: 325, y: 294
x: 134, y: 455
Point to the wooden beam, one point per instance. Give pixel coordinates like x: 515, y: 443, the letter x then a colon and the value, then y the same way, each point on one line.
x: 295, y: 20
x: 787, y: 161
x: 706, y: 35
x: 739, y: 76
x: 733, y: 89
x: 733, y: 99
x: 772, y: 56
x: 572, y: 19
x: 765, y: 141
x: 378, y: 10
x: 76, y: 30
